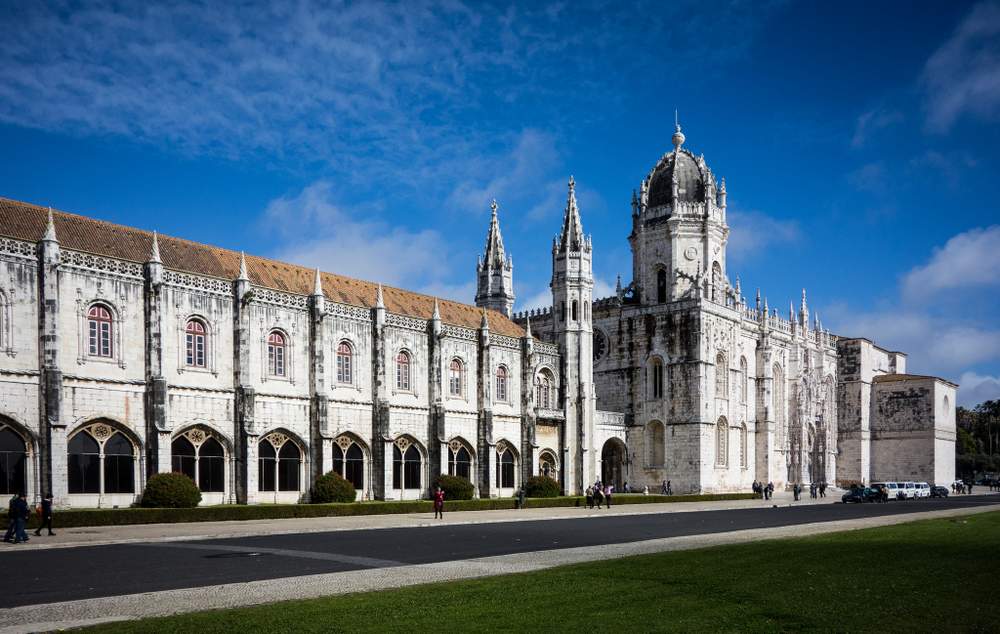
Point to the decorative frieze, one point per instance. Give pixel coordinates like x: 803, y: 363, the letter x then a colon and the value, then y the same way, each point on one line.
x: 96, y: 263
x: 198, y: 283
x: 457, y: 332
x: 504, y: 342
x: 347, y: 311
x: 409, y: 323
x: 18, y: 249
x: 278, y: 298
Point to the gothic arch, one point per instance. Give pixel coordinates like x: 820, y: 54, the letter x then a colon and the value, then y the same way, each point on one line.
x: 112, y: 422
x: 614, y: 455
x: 218, y: 434
x: 722, y: 442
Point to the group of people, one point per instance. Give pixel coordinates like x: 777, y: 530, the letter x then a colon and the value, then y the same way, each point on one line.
x: 599, y: 493
x: 762, y: 490
x: 962, y: 487
x: 18, y: 514
x: 817, y: 490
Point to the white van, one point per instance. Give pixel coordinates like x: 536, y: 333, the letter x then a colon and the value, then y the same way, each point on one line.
x: 891, y: 488
x: 909, y: 490
x: 923, y: 490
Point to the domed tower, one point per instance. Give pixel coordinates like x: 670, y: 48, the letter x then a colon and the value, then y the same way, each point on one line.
x: 679, y: 229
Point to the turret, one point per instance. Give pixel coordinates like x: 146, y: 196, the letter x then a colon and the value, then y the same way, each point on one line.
x: 804, y: 312
x: 495, y: 271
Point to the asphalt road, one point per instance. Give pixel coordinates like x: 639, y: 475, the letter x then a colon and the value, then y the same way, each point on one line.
x: 63, y: 574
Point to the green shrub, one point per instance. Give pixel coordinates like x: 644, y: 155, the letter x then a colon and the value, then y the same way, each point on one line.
x: 331, y: 487
x: 454, y: 487
x: 171, y: 490
x: 541, y: 487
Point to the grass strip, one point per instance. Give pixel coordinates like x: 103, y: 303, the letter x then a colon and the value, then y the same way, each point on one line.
x: 242, y: 512
x: 933, y: 575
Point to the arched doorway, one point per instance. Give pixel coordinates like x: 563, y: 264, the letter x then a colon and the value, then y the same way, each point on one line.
x: 613, y: 463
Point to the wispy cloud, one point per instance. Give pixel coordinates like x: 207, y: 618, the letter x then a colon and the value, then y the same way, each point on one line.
x: 753, y: 231
x: 872, y: 121
x: 970, y: 259
x: 977, y: 388
x: 963, y: 76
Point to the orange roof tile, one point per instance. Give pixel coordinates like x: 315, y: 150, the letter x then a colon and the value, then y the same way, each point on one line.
x: 24, y: 221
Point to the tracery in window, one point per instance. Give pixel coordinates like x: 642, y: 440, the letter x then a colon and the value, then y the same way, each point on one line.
x: 100, y: 328
x: 403, y: 370
x: 277, y: 347
x: 345, y: 363
x: 195, y: 339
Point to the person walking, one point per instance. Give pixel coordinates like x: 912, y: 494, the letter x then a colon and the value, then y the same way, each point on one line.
x: 439, y: 504
x: 796, y: 490
x: 608, y: 491
x: 663, y: 488
x: 822, y: 490
x: 46, y: 516
x: 520, y: 497
x: 756, y: 488
x: 590, y: 497
x: 598, y: 496
x: 11, y: 520
x: 21, y: 515
x: 768, y: 490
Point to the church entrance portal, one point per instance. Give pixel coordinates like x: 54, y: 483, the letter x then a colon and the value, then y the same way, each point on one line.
x: 613, y: 463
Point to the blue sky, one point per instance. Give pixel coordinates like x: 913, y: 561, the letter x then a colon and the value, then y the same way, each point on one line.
x: 858, y: 141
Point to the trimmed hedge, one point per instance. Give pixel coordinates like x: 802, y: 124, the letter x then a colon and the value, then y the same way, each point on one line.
x: 540, y: 486
x: 237, y: 512
x: 454, y: 487
x: 332, y: 487
x: 171, y: 490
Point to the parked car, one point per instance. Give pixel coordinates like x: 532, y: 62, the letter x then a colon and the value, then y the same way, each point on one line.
x: 939, y: 491
x: 860, y: 495
x: 923, y: 490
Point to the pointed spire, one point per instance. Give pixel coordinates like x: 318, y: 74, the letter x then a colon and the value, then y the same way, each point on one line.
x: 721, y: 194
x: 379, y: 300
x: 50, y: 230
x: 758, y: 299
x: 154, y: 251
x: 436, y: 316
x: 527, y: 327
x: 571, y: 237
x: 243, y: 267
x: 494, y: 255
x: 739, y: 290
x: 318, y: 285
x: 791, y: 311
x: 804, y: 312
x: 485, y: 323
x: 618, y: 285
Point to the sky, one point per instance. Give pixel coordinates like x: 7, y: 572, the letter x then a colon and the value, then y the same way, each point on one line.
x: 859, y: 141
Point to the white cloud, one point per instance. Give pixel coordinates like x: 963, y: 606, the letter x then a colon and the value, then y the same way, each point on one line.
x: 314, y: 231
x: 969, y: 259
x: 873, y: 121
x: 870, y: 178
x: 974, y: 389
x: 963, y: 76
x: 753, y: 231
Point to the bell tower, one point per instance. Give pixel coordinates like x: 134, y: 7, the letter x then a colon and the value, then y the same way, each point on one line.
x: 495, y: 272
x: 572, y: 298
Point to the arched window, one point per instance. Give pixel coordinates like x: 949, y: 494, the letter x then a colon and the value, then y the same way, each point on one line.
x: 459, y: 460
x: 722, y: 442
x: 505, y: 466
x: 456, y: 373
x: 200, y: 457
x: 743, y: 445
x: 279, y: 461
x: 406, y: 466
x: 656, y: 378
x: 276, y: 354
x: 502, y: 383
x: 743, y: 379
x: 101, y: 460
x: 84, y: 464
x: 100, y: 331
x: 349, y: 462
x: 545, y: 398
x: 13, y: 462
x: 575, y: 310
x: 655, y: 444
x: 403, y: 370
x: 345, y: 363
x: 195, y: 343
x: 184, y: 458
x: 547, y: 465
x: 661, y: 286
x: 721, y: 377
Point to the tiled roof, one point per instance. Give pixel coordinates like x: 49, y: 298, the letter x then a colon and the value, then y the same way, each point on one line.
x: 27, y: 222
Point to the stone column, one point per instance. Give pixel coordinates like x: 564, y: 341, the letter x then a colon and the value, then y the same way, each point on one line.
x: 318, y: 431
x: 528, y: 417
x: 484, y: 427
x: 435, y: 418
x: 380, y: 404
x: 157, y: 433
x: 244, y: 432
x: 51, y: 428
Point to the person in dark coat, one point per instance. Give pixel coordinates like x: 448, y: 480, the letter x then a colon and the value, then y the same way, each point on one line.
x: 11, y: 520
x: 796, y: 490
x: 21, y: 515
x: 439, y: 504
x: 590, y: 497
x: 46, y: 516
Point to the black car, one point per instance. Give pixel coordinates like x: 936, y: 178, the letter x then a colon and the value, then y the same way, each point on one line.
x: 861, y: 495
x: 939, y: 492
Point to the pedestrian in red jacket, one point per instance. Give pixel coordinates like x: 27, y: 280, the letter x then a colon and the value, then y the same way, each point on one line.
x: 439, y: 504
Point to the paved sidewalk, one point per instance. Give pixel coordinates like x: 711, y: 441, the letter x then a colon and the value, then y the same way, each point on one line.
x: 98, y: 535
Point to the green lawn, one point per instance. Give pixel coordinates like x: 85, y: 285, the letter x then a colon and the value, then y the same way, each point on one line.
x: 934, y: 575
